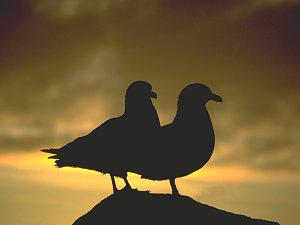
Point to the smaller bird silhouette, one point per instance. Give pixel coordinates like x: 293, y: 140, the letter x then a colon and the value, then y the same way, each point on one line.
x: 109, y: 147
x: 186, y: 144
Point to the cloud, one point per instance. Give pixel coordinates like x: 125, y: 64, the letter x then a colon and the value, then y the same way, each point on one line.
x: 66, y: 66
x: 261, y: 137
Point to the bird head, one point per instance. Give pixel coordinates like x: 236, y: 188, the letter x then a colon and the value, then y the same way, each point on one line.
x: 140, y: 90
x: 198, y: 93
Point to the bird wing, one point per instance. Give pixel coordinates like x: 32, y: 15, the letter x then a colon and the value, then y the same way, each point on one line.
x: 93, y: 150
x: 152, y: 158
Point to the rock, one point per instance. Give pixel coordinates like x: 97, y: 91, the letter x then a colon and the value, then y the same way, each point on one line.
x: 137, y: 207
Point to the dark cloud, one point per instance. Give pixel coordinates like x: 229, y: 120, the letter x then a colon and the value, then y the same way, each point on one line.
x: 194, y: 10
x: 272, y: 36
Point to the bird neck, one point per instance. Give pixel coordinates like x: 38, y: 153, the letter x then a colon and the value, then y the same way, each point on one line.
x: 191, y: 112
x: 138, y: 109
x: 143, y: 111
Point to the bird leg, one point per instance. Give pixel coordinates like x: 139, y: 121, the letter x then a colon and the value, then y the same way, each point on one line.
x: 115, y: 189
x: 173, y: 186
x: 128, y: 186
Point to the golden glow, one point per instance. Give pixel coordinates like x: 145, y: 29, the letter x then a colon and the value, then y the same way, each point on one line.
x: 40, y: 169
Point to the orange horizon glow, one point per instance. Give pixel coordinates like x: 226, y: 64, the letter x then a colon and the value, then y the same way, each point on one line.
x: 38, y: 161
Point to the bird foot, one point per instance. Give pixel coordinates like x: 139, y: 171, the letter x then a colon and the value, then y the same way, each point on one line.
x: 128, y: 188
x: 115, y: 191
x: 176, y: 193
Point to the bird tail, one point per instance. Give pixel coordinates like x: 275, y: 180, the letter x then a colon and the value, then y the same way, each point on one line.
x: 59, y: 163
x: 62, y: 159
x: 53, y: 151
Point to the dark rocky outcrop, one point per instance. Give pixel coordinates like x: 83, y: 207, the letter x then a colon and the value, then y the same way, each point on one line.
x: 137, y: 207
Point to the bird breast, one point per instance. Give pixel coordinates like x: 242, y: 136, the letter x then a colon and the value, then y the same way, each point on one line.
x: 197, y: 147
x: 192, y: 145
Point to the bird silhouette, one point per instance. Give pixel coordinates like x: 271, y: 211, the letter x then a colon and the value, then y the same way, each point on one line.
x: 108, y: 148
x: 186, y: 144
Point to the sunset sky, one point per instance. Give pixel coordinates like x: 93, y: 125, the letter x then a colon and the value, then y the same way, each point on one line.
x: 64, y: 69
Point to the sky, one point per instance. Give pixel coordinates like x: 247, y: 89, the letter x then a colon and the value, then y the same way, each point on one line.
x: 64, y: 69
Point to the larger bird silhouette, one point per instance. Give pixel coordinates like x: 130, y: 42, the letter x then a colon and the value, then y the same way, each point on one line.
x: 108, y: 148
x: 186, y: 144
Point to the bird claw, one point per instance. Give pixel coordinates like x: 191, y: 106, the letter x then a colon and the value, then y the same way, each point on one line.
x: 127, y: 188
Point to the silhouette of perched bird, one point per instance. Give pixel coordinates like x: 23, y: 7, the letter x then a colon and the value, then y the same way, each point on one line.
x: 108, y: 148
x: 186, y: 144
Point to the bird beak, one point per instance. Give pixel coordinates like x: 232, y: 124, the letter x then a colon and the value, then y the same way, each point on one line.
x: 153, y: 94
x: 216, y: 98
